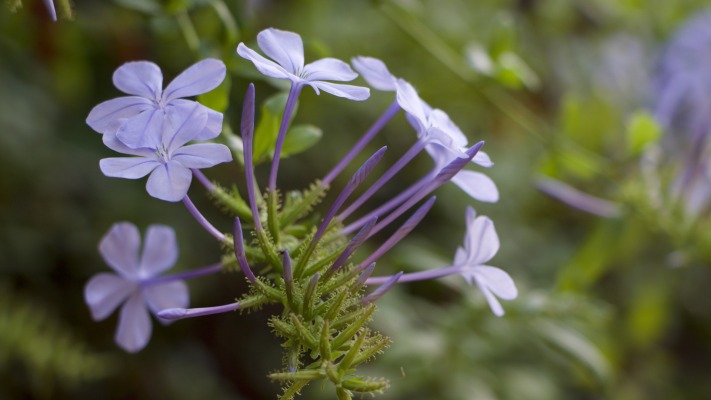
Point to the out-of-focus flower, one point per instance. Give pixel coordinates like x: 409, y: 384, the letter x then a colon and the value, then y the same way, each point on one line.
x: 50, y: 9
x: 135, y: 284
x: 138, y: 119
x: 375, y: 72
x: 287, y: 49
x: 165, y: 156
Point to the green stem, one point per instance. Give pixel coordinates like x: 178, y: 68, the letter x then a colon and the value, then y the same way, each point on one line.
x: 188, y: 29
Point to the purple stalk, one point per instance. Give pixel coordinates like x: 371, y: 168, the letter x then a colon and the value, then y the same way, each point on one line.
x: 180, y: 276
x: 575, y: 198
x: 443, y: 176
x: 365, y: 275
x: 379, y: 292
x: 202, y: 220
x: 203, y: 180
x: 400, y: 164
x: 362, y: 142
x: 50, y: 8
x: 403, y: 231
x: 180, y: 313
x: 356, y: 242
x: 239, y: 252
x: 247, y: 128
x: 285, y: 119
x: 417, y: 276
x: 389, y: 205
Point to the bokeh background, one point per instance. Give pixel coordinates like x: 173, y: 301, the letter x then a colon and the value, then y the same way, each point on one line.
x: 566, y: 94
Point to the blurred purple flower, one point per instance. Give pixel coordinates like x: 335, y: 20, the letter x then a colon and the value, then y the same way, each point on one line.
x: 50, y: 8
x: 287, y: 49
x: 134, y: 284
x: 167, y: 158
x: 138, y: 119
x: 375, y: 72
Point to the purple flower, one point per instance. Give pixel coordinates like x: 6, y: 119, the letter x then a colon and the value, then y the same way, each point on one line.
x: 50, y: 8
x: 287, y: 49
x: 375, y: 72
x: 138, y: 119
x: 166, y: 157
x: 481, y: 244
x: 134, y: 284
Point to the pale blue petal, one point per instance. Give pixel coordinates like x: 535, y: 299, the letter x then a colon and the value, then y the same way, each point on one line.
x: 167, y: 295
x: 169, y: 182
x: 441, y: 120
x: 104, y: 292
x: 107, y: 113
x: 127, y: 167
x: 494, y: 303
x: 409, y: 101
x: 143, y: 130
x: 111, y: 141
x: 283, y: 47
x: 160, y: 251
x: 199, y: 78
x: 141, y: 78
x: 184, y: 123
x: 119, y: 248
x: 498, y: 281
x: 375, y: 72
x: 266, y: 67
x: 350, y: 92
x: 213, y: 127
x: 477, y: 185
x: 328, y: 69
x: 134, y: 329
x: 202, y: 155
x: 481, y: 241
x: 482, y: 159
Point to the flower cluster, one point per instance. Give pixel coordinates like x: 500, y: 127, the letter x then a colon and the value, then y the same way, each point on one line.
x: 309, y: 269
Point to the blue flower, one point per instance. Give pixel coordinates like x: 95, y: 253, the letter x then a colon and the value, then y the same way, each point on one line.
x: 135, y: 284
x: 137, y: 120
x: 166, y: 157
x: 287, y: 49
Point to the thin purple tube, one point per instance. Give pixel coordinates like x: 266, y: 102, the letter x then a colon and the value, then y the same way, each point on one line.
x: 181, y: 276
x: 285, y: 119
x: 417, y: 276
x: 247, y: 128
x: 180, y: 313
x: 203, y: 180
x: 202, y: 220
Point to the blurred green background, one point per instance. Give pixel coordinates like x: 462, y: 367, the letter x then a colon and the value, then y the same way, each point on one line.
x: 608, y: 307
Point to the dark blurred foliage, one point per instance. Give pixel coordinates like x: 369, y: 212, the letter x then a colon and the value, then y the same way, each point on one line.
x: 555, y: 87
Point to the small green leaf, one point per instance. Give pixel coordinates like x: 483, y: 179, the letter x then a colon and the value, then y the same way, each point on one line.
x: 300, y: 138
x: 642, y: 131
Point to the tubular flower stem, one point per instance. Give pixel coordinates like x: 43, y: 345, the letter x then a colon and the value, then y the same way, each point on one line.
x: 354, y: 182
x: 239, y: 252
x: 442, y: 177
x: 247, y: 128
x: 379, y: 292
x: 181, y: 313
x: 580, y: 200
x: 417, y: 276
x: 403, y: 231
x: 400, y: 164
x: 356, y: 242
x: 49, y: 4
x: 196, y: 273
x: 203, y: 180
x: 362, y: 142
x: 363, y: 277
x: 285, y: 119
x: 202, y: 220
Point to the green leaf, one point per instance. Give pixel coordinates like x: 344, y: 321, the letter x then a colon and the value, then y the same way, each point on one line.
x: 300, y: 138
x: 642, y: 131
x: 267, y: 128
x: 146, y: 6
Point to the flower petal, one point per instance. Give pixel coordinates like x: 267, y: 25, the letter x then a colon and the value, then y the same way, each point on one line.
x: 410, y: 101
x: 350, y: 92
x: 286, y: 48
x: 160, y: 251
x: 375, y: 72
x: 143, y: 130
x: 328, y: 69
x: 111, y: 141
x: 169, y: 182
x: 199, y: 78
x: 441, y: 120
x: 105, y: 114
x: 134, y: 329
x: 265, y: 66
x: 142, y: 78
x: 494, y: 303
x: 202, y: 155
x: 104, y: 292
x: 213, y: 126
x: 184, y: 123
x: 482, y: 159
x: 167, y: 295
x: 127, y: 167
x: 498, y: 281
x: 477, y: 185
x: 481, y: 241
x: 119, y: 248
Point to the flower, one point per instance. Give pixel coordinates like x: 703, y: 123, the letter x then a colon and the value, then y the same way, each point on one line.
x: 287, y: 49
x: 50, y: 9
x: 134, y: 283
x: 447, y: 143
x: 375, y: 72
x: 165, y: 156
x: 480, y: 245
x: 139, y: 118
